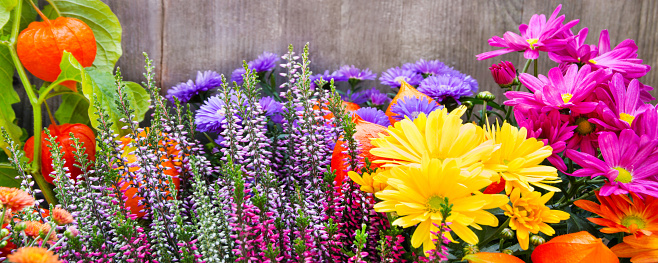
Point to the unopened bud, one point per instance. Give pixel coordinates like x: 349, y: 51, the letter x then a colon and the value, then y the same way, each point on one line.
x: 537, y: 240
x: 71, y: 232
x: 508, y: 251
x: 468, y: 104
x: 486, y: 96
x: 20, y: 226
x: 3, y: 244
x: 4, y: 232
x: 507, y: 233
x: 504, y: 74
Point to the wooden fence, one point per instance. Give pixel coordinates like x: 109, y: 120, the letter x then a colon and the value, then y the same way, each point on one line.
x: 185, y: 36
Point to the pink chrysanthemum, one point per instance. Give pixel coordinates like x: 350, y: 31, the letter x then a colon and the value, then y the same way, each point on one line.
x: 630, y: 163
x: 550, y: 129
x: 538, y: 35
x: 621, y: 105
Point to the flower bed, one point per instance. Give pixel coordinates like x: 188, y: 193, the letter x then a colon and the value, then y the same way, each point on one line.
x: 277, y: 164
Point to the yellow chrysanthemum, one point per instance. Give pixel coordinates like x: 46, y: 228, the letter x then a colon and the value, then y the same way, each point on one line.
x: 370, y: 183
x: 417, y: 193
x: 439, y: 135
x: 529, y: 214
x: 518, y: 160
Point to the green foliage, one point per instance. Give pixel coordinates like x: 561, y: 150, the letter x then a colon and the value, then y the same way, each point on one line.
x: 8, y: 177
x: 73, y: 109
x: 5, y: 10
x: 28, y: 15
x: 8, y: 96
x: 99, y: 85
x: 98, y: 16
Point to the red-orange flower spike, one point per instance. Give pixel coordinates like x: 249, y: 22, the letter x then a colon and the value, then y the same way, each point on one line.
x: 488, y: 257
x: 62, y: 217
x: 579, y: 247
x: 15, y: 199
x: 33, y: 255
x: 619, y: 213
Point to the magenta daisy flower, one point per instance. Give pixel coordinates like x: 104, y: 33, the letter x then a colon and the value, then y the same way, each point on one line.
x: 538, y: 35
x: 629, y: 163
x: 394, y: 76
x: 548, y: 128
x: 622, y: 58
x: 412, y: 107
x: 373, y: 115
x: 575, y: 51
x: 558, y: 91
x: 647, y: 123
x: 621, y: 105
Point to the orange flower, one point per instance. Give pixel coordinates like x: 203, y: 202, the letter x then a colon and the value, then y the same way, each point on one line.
x: 33, y: 255
x: 579, y: 247
x: 488, y: 257
x: 641, y: 250
x: 62, y: 217
x: 619, y: 213
x: 15, y: 199
x: 32, y: 228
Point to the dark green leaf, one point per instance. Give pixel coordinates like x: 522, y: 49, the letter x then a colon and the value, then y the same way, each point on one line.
x: 8, y: 96
x: 105, y: 24
x: 8, y: 176
x: 73, y: 109
x: 575, y: 223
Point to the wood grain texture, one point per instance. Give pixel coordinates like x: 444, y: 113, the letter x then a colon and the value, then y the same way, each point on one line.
x: 184, y: 36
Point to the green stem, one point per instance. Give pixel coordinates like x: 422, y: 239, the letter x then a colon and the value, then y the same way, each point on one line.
x: 52, y: 229
x: 569, y: 202
x: 484, y: 113
x: 496, y: 234
x: 4, y: 210
x: 47, y: 90
x: 518, y: 87
x: 52, y: 4
x: 36, y: 108
x: 535, y: 65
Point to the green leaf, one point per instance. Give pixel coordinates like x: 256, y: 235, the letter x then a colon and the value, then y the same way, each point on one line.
x: 139, y: 99
x: 5, y: 10
x: 105, y: 24
x: 73, y: 109
x: 28, y: 15
x: 8, y: 176
x: 8, y: 96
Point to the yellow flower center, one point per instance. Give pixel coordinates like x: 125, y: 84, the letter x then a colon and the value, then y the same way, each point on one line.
x: 627, y: 118
x: 584, y: 127
x: 630, y: 220
x: 593, y: 61
x: 532, y: 42
x: 566, y: 97
x: 434, y: 204
x: 624, y: 175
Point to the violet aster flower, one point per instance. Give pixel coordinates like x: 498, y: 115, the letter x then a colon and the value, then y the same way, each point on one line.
x: 412, y: 107
x: 620, y: 104
x: 208, y: 80
x: 504, y: 73
x: 548, y: 128
x: 393, y: 77
x: 272, y: 109
x: 538, y: 35
x: 430, y: 67
x: 351, y: 72
x: 445, y: 86
x: 629, y: 163
x: 265, y: 62
x: 210, y: 116
x: 184, y: 91
x: 238, y: 75
x: 376, y: 96
x: 326, y: 76
x: 558, y: 91
x: 359, y: 97
x: 373, y: 115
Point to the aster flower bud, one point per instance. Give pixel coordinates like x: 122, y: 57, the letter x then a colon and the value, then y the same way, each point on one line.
x: 4, y: 232
x: 507, y: 233
x: 508, y: 251
x: 20, y: 226
x: 537, y: 240
x: 504, y: 74
x: 3, y: 244
x: 71, y: 232
x: 471, y: 249
x: 468, y: 104
x: 486, y: 96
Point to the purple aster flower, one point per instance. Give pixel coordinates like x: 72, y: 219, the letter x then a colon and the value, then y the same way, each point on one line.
x: 184, y: 91
x: 559, y: 91
x: 272, y: 108
x: 430, y: 67
x: 264, y: 62
x: 620, y: 104
x: 445, y: 86
x: 326, y: 76
x: 539, y: 35
x: 351, y: 72
x: 210, y: 116
x: 412, y: 107
x: 238, y: 75
x: 359, y: 97
x: 548, y: 128
x: 394, y: 76
x: 376, y: 96
x: 208, y: 80
x: 373, y: 115
x: 629, y: 163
